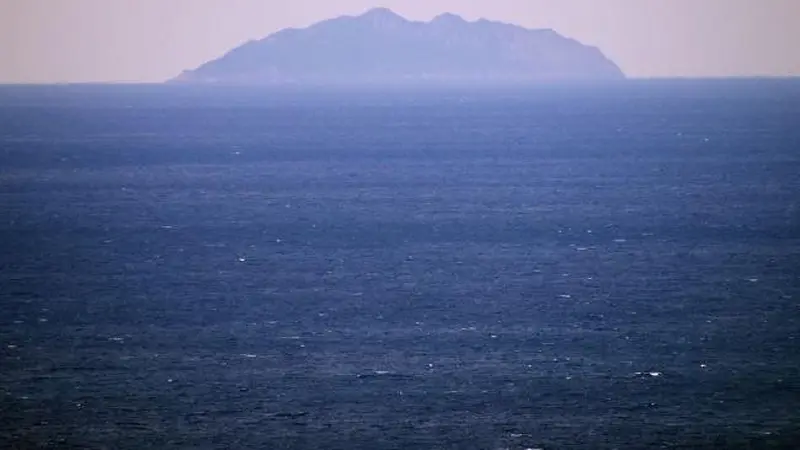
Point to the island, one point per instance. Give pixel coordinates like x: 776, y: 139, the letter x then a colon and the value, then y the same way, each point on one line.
x: 382, y: 47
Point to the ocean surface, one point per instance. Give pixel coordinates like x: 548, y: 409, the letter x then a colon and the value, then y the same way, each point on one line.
x: 587, y: 267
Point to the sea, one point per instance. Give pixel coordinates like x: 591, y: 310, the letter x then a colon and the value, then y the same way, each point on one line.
x: 589, y: 266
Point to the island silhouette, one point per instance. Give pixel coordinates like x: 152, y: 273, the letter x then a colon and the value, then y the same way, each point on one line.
x: 381, y: 46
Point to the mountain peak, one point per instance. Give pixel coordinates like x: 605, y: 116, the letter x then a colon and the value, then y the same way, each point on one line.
x: 382, y: 14
x: 448, y: 18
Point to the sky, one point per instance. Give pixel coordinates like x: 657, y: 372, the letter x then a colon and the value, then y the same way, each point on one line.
x: 55, y: 41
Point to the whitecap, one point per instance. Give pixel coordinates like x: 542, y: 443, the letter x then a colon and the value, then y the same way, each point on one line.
x: 650, y: 374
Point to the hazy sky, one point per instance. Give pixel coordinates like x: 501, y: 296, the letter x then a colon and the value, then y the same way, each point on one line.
x: 151, y: 40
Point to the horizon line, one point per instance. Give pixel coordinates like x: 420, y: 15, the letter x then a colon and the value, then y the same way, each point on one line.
x: 532, y: 84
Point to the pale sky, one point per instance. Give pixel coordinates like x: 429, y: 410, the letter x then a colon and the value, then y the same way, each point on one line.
x: 45, y: 41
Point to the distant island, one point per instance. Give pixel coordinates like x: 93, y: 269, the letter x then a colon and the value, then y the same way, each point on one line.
x: 381, y: 47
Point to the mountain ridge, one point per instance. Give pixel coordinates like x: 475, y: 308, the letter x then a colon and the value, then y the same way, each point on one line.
x: 380, y: 46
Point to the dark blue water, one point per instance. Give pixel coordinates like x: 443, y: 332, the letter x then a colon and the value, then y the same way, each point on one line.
x: 568, y: 267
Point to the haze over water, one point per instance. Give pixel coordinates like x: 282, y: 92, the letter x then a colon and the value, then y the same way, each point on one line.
x: 151, y: 40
